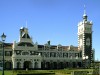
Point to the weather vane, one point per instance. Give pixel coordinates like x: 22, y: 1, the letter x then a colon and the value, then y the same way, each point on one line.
x: 84, y: 9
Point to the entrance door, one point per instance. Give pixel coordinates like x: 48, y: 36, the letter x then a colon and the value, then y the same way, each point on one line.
x: 27, y: 65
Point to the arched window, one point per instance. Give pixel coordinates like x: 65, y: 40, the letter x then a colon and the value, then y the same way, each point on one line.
x: 18, y: 65
x: 7, y: 53
x: 8, y: 65
x: 35, y: 65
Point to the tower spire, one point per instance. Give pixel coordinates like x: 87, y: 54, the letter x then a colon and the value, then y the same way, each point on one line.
x: 84, y: 9
x: 85, y: 15
x: 26, y: 24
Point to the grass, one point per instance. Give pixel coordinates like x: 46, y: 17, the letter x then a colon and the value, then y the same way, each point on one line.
x: 57, y: 72
x: 6, y: 72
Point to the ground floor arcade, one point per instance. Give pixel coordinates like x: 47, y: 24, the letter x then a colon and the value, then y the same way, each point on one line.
x: 43, y: 65
x: 26, y: 62
x: 60, y: 65
x: 37, y: 62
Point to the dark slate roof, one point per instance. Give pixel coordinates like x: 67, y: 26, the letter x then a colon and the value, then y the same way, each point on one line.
x: 28, y: 36
x: 40, y: 46
x: 53, y: 47
x: 8, y: 45
x: 25, y: 43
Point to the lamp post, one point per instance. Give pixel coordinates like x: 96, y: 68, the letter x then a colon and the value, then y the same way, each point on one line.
x: 3, y: 37
x: 99, y: 68
x: 85, y: 58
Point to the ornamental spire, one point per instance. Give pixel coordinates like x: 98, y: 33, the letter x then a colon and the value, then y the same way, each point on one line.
x: 85, y: 15
x: 26, y: 24
x: 84, y: 9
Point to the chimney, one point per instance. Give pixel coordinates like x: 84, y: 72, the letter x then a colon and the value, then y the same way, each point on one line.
x: 49, y: 42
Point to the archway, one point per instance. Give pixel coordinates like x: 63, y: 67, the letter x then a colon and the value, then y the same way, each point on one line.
x: 42, y: 65
x: 55, y: 65
x: 47, y: 65
x: 18, y: 65
x: 27, y: 65
x: 66, y: 65
x: 36, y: 65
x: 74, y: 64
x: 8, y: 65
x: 79, y: 64
x: 60, y: 65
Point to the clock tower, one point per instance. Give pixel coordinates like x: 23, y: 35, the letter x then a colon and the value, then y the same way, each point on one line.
x: 85, y: 37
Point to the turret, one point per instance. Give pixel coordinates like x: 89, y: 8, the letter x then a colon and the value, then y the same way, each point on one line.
x: 85, y: 37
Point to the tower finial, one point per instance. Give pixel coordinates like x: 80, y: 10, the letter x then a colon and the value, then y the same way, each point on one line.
x: 26, y: 24
x: 84, y: 9
x: 85, y: 15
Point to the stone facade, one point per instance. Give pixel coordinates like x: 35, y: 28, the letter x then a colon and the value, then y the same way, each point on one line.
x: 25, y: 54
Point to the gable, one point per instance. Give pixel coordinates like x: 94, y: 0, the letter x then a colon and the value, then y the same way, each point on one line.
x: 25, y: 35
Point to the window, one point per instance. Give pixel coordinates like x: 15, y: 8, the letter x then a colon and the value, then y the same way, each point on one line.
x: 59, y: 54
x: 59, y: 48
x: 0, y: 45
x: 77, y: 55
x: 46, y: 48
x: 7, y: 53
x: 43, y: 54
x: 88, y: 41
x: 80, y: 54
x: 71, y: 55
x: 47, y: 54
x: 65, y: 54
x: 0, y: 53
x: 52, y: 54
x: 25, y: 53
x: 88, y: 29
x: 18, y: 52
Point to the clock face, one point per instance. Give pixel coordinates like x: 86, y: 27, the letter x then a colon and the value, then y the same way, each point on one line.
x: 88, y: 41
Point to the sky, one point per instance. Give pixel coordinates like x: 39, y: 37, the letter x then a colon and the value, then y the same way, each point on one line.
x: 54, y: 20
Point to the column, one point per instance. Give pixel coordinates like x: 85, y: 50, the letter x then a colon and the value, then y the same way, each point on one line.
x: 33, y: 64
x: 14, y: 65
x: 39, y: 64
x: 21, y: 65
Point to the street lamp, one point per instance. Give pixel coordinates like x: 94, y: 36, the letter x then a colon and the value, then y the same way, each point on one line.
x: 3, y: 37
x: 85, y: 58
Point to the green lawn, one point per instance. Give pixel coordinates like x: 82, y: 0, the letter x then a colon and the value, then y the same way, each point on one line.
x: 6, y: 72
x: 57, y: 72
